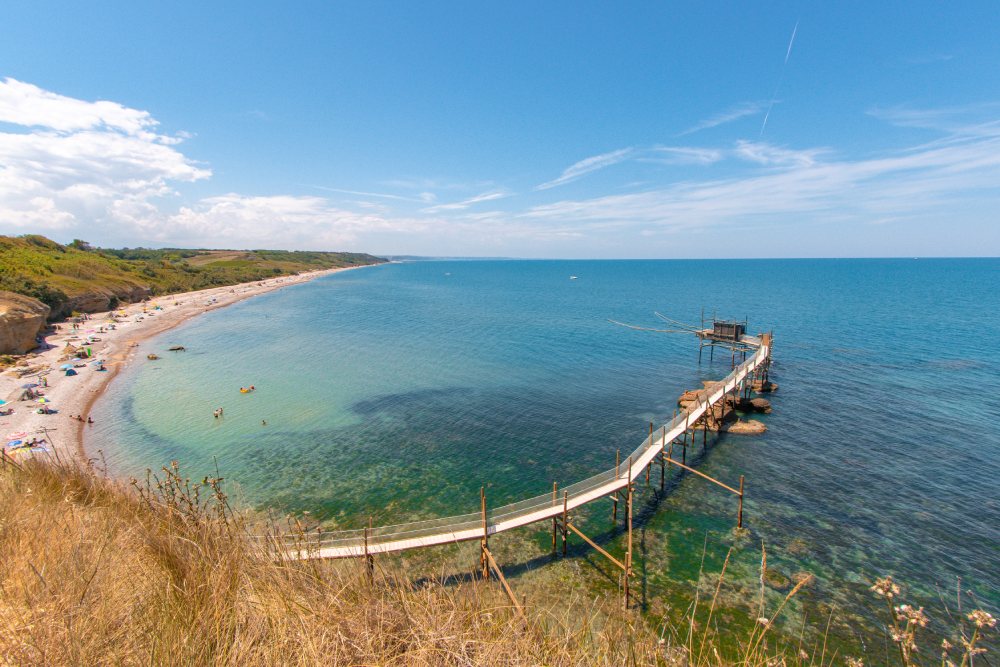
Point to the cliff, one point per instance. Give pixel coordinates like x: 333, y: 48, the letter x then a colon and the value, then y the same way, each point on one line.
x: 21, y: 319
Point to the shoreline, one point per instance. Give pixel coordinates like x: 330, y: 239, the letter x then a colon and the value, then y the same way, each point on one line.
x: 78, y: 394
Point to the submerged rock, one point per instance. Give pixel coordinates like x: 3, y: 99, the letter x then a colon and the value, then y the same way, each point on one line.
x: 744, y: 427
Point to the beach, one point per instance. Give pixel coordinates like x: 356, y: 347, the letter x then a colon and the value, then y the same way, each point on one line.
x: 70, y: 398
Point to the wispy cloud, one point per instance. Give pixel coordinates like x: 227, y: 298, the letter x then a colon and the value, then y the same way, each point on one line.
x: 424, y: 197
x: 682, y: 155
x: 586, y: 166
x: 735, y: 113
x: 803, y: 186
x: 466, y: 203
x: 769, y: 155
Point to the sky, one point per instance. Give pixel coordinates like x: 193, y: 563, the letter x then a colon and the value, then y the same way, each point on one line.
x: 516, y: 129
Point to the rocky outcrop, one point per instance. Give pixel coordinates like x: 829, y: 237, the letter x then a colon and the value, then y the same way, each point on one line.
x: 21, y: 319
x: 100, y: 300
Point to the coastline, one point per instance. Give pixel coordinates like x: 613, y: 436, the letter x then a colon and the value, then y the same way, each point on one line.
x: 77, y: 395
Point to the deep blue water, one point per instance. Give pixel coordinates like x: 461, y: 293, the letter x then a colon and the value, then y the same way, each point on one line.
x: 397, y: 391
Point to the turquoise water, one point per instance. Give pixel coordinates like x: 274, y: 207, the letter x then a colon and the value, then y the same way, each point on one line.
x: 397, y: 391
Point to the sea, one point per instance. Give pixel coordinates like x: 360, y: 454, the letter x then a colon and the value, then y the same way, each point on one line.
x: 398, y: 391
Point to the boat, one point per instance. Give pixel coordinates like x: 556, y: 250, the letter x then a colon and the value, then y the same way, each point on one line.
x: 572, y: 278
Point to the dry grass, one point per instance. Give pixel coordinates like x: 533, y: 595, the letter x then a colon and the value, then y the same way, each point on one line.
x: 94, y: 572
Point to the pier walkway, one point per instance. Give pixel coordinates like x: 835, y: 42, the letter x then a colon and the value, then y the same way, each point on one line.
x: 555, y: 505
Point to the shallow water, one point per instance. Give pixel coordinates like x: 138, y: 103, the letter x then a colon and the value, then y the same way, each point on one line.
x: 397, y: 391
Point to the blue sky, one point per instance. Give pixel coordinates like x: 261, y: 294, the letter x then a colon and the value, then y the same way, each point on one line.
x: 507, y: 129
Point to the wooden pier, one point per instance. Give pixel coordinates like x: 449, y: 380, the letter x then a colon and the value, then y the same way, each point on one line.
x: 617, y: 484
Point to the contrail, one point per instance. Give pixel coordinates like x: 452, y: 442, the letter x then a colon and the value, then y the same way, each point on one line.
x: 791, y: 41
x: 788, y: 54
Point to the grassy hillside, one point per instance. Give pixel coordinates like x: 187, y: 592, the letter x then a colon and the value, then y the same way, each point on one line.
x: 56, y: 274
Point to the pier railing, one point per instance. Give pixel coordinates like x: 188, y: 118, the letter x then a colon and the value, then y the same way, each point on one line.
x: 414, y: 534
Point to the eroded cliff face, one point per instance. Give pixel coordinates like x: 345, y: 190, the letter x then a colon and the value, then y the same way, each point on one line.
x: 21, y: 319
x: 101, y: 300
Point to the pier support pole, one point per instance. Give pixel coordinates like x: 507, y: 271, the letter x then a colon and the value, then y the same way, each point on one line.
x: 614, y: 498
x: 370, y: 560
x: 628, y: 552
x: 663, y: 464
x: 555, y: 499
x: 650, y: 444
x: 565, y: 521
x: 484, y: 544
x: 739, y: 516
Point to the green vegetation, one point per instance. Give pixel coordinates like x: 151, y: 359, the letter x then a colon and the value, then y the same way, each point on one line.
x: 58, y: 275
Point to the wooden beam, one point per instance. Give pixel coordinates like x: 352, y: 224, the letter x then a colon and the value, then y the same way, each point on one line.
x: 594, y: 544
x: 506, y: 586
x: 703, y: 475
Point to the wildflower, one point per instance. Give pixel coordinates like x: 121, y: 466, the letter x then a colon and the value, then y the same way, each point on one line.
x: 855, y: 662
x: 763, y: 621
x: 803, y: 655
x: 945, y: 645
x: 982, y: 619
x: 885, y: 587
x: 915, y: 616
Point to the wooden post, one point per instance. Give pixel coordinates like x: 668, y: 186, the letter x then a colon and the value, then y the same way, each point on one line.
x: 628, y: 552
x: 663, y: 464
x: 565, y: 523
x: 370, y: 560
x: 614, y: 498
x: 555, y: 499
x: 485, y: 542
x: 650, y: 444
x: 739, y: 517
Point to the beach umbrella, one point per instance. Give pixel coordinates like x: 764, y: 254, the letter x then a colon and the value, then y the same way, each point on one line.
x: 16, y: 435
x: 14, y: 443
x: 30, y: 385
x: 44, y: 400
x: 98, y: 362
x: 3, y: 402
x: 62, y: 368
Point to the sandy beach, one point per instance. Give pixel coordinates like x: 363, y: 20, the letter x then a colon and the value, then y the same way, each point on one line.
x: 69, y: 396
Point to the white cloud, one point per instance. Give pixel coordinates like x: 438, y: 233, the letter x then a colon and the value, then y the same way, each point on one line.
x: 768, y: 155
x: 303, y: 222
x: 29, y: 106
x: 735, y: 113
x: 803, y: 187
x: 77, y: 162
x: 466, y: 203
x: 586, y: 166
x: 683, y: 155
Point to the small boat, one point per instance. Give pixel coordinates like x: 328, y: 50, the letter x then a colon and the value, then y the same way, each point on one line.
x: 152, y: 357
x: 572, y: 278
x: 176, y: 348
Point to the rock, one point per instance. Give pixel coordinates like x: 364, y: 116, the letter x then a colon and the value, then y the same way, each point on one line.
x: 101, y: 299
x: 765, y: 387
x: 21, y: 320
x: 761, y: 405
x: 744, y: 427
